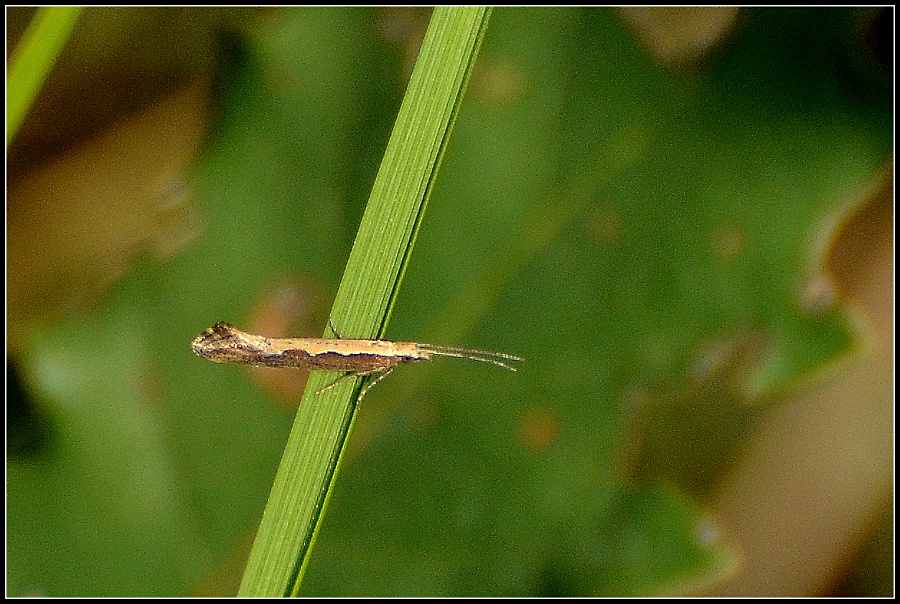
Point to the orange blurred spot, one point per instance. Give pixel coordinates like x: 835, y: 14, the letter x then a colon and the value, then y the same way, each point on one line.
x: 539, y: 428
x: 290, y: 309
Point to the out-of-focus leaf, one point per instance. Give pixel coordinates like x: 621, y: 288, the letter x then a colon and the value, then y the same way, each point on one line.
x: 649, y: 240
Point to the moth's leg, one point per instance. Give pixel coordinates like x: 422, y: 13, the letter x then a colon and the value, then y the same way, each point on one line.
x: 335, y: 382
x: 378, y: 375
x: 334, y: 329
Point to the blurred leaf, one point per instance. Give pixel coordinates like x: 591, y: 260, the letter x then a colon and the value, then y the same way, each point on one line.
x: 662, y: 231
x: 650, y: 241
x: 33, y: 59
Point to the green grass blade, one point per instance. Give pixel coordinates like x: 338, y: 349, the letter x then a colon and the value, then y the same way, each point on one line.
x: 365, y: 297
x: 33, y: 58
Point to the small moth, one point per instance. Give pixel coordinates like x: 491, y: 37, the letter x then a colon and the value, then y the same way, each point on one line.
x: 223, y: 343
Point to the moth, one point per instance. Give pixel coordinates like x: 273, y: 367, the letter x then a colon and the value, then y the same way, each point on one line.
x: 223, y: 343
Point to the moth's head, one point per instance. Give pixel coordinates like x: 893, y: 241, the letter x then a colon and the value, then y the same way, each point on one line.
x: 215, y: 342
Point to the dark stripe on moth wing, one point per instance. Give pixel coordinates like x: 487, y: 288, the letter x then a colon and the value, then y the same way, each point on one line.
x: 335, y: 361
x: 403, y: 352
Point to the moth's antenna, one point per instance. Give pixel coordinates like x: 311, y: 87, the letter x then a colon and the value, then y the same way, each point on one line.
x: 485, y: 356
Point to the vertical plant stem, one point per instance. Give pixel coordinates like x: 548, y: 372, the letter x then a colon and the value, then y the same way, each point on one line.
x: 361, y: 309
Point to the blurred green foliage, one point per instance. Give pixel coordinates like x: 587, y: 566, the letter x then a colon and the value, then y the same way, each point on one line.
x: 635, y: 232
x: 33, y: 59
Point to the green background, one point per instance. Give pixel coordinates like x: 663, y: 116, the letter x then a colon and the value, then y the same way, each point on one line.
x: 641, y: 235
